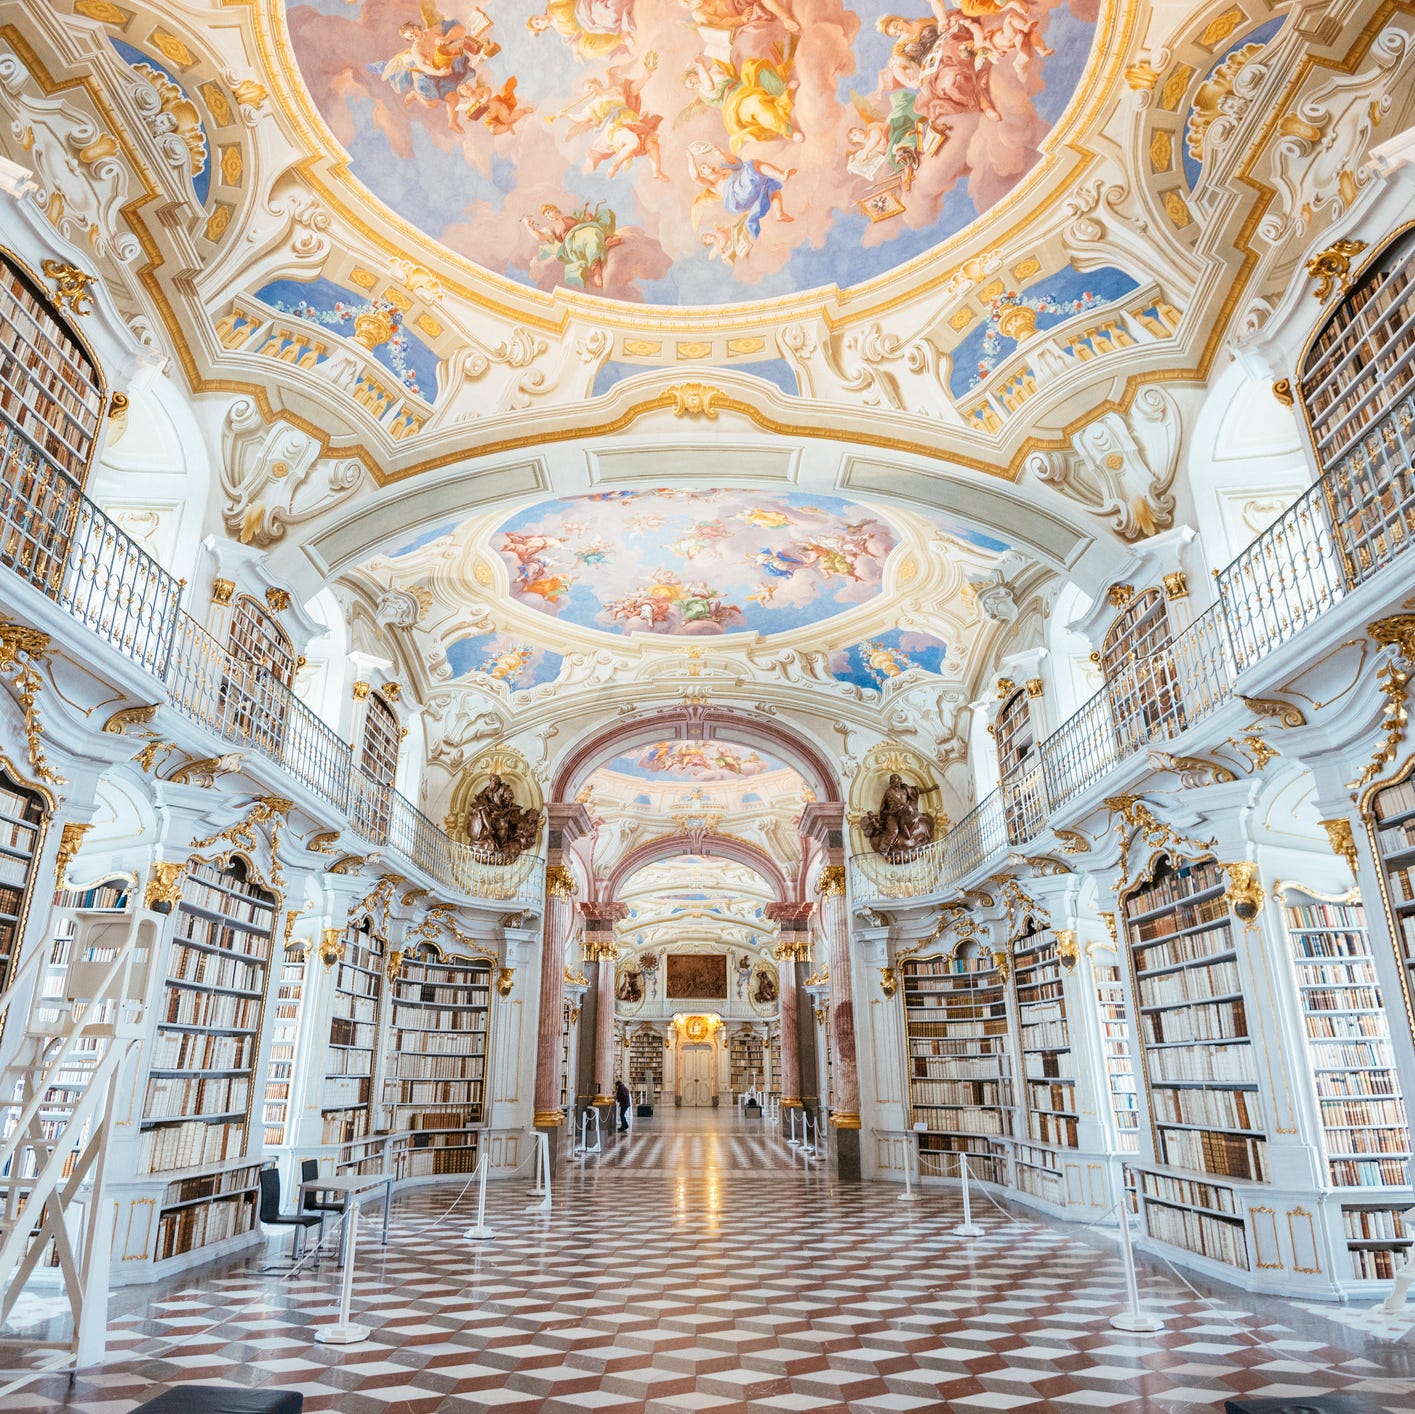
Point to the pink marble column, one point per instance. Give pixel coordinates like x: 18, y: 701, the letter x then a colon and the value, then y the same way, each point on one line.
x: 565, y: 823
x: 599, y: 947
x: 844, y: 1076
x: 559, y: 920
x: 793, y: 946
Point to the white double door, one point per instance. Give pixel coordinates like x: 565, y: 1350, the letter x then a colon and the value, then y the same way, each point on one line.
x: 697, y: 1064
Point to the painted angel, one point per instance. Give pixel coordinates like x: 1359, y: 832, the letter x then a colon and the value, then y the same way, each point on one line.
x: 580, y: 240
x: 594, y: 29
x: 441, y: 56
x: 613, y: 107
x: 747, y: 188
x: 884, y: 144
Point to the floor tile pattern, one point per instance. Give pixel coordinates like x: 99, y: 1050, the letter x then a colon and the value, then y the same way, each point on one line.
x: 699, y: 1266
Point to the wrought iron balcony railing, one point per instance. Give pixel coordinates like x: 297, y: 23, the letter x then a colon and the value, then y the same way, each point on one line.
x: 1349, y: 525
x: 58, y: 542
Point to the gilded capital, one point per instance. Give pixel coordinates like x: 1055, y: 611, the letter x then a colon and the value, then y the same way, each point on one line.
x: 559, y: 882
x: 331, y: 946
x: 1341, y: 839
x: 164, y: 882
x: 221, y: 592
x: 69, y: 843
x: 361, y: 691
x: 506, y: 980
x: 1067, y: 948
x: 831, y: 883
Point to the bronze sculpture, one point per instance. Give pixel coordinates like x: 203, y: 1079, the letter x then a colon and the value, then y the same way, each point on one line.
x: 496, y: 823
x: 898, y: 826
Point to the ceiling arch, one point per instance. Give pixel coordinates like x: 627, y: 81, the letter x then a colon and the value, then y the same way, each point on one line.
x: 739, y: 851
x: 701, y: 723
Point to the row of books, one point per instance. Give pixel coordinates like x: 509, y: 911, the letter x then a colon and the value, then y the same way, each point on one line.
x: 186, y: 1229
x: 1395, y: 802
x: 344, y: 1126
x: 191, y: 1050
x: 171, y: 1097
x: 1045, y: 1036
x: 15, y: 806
x: 1189, y: 1192
x: 213, y: 969
x: 1224, y: 1109
x: 464, y: 995
x: 1052, y: 1097
x: 1376, y: 1224
x: 1326, y: 972
x: 945, y: 1033
x: 957, y: 1092
x: 438, y: 1019
x: 1312, y: 948
x: 1194, y: 984
x: 1347, y: 1027
x: 1324, y: 913
x: 1359, y: 1140
x: 34, y: 344
x: 1205, y: 923
x: 1396, y: 839
x: 947, y: 967
x: 1369, y: 1173
x: 1174, y: 886
x: 1042, y: 1183
x: 350, y: 1031
x: 1203, y: 1021
x: 1048, y: 1128
x: 1208, y: 1151
x: 415, y: 1041
x: 357, y: 986
x: 348, y: 1060
x: 455, y: 1119
x: 444, y: 1067
x: 955, y: 1067
x: 1376, y: 1263
x: 1219, y: 1238
x: 17, y: 836
x: 1332, y: 1083
x: 1047, y: 1065
x: 231, y: 898
x: 216, y: 1011
x: 1326, y: 999
x: 185, y: 1146
x: 965, y: 1121
x: 440, y: 1092
x: 210, y: 1185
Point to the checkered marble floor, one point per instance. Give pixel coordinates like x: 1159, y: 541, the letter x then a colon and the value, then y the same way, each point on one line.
x: 697, y: 1266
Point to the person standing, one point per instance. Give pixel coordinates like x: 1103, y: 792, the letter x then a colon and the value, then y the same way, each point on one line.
x: 623, y: 1099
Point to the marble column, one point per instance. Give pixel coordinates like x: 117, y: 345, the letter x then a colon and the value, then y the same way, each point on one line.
x: 600, y: 948
x: 559, y: 920
x: 565, y: 823
x: 794, y: 946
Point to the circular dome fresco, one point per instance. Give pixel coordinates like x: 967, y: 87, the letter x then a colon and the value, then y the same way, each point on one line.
x: 694, y: 563
x: 690, y: 151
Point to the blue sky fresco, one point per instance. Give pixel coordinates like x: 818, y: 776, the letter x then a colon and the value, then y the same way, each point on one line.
x: 878, y: 660
x: 503, y: 658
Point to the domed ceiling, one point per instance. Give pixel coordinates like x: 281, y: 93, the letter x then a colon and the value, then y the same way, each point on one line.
x: 691, y: 151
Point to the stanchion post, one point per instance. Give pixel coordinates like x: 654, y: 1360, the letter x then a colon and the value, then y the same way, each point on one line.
x: 793, y: 1142
x: 542, y: 1188
x: 345, y: 1332
x: 479, y: 1229
x: 967, y: 1228
x: 908, y: 1194
x: 1133, y: 1319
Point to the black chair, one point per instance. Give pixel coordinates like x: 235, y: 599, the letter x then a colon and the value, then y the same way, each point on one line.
x: 214, y: 1399
x: 309, y: 1171
x: 271, y: 1216
x: 1319, y: 1402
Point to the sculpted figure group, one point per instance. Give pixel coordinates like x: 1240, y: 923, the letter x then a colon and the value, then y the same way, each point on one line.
x: 899, y: 825
x: 496, y: 823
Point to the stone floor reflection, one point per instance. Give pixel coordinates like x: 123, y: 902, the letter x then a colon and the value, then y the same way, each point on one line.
x: 697, y: 1265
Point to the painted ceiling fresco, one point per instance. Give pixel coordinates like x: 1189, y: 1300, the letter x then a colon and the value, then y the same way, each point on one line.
x: 875, y: 661
x: 694, y: 563
x: 690, y: 151
x: 504, y: 658
x: 694, y: 761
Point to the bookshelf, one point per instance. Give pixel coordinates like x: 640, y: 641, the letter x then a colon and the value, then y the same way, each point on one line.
x: 960, y: 1074
x: 774, y: 1063
x: 1016, y: 741
x: 284, y: 1034
x: 22, y: 819
x: 1048, y: 1065
x: 746, y: 1059
x: 347, y: 1095
x: 201, y: 1067
x: 1392, y: 830
x: 1200, y: 1072
x: 1139, y: 670
x: 50, y: 391
x: 646, y: 1063
x: 441, y: 1009
x: 567, y: 1041
x: 1118, y: 1058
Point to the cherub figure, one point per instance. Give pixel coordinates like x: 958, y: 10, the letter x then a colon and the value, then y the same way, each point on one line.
x: 614, y: 106
x: 441, y: 57
x: 498, y: 111
x: 747, y: 188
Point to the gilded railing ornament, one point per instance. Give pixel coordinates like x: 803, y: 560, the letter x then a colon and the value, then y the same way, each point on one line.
x: 164, y: 882
x: 1072, y: 841
x: 70, y: 841
x: 71, y: 287
x: 1332, y: 266
x: 15, y: 640
x: 1287, y: 713
x: 324, y: 842
x: 127, y: 717
x: 1396, y: 632
x: 269, y: 810
x: 204, y: 771
x: 1341, y: 839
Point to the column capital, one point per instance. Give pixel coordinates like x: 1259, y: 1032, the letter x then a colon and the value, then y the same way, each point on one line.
x: 559, y: 881
x: 792, y: 915
x: 824, y: 822
x: 566, y: 821
x: 603, y: 911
